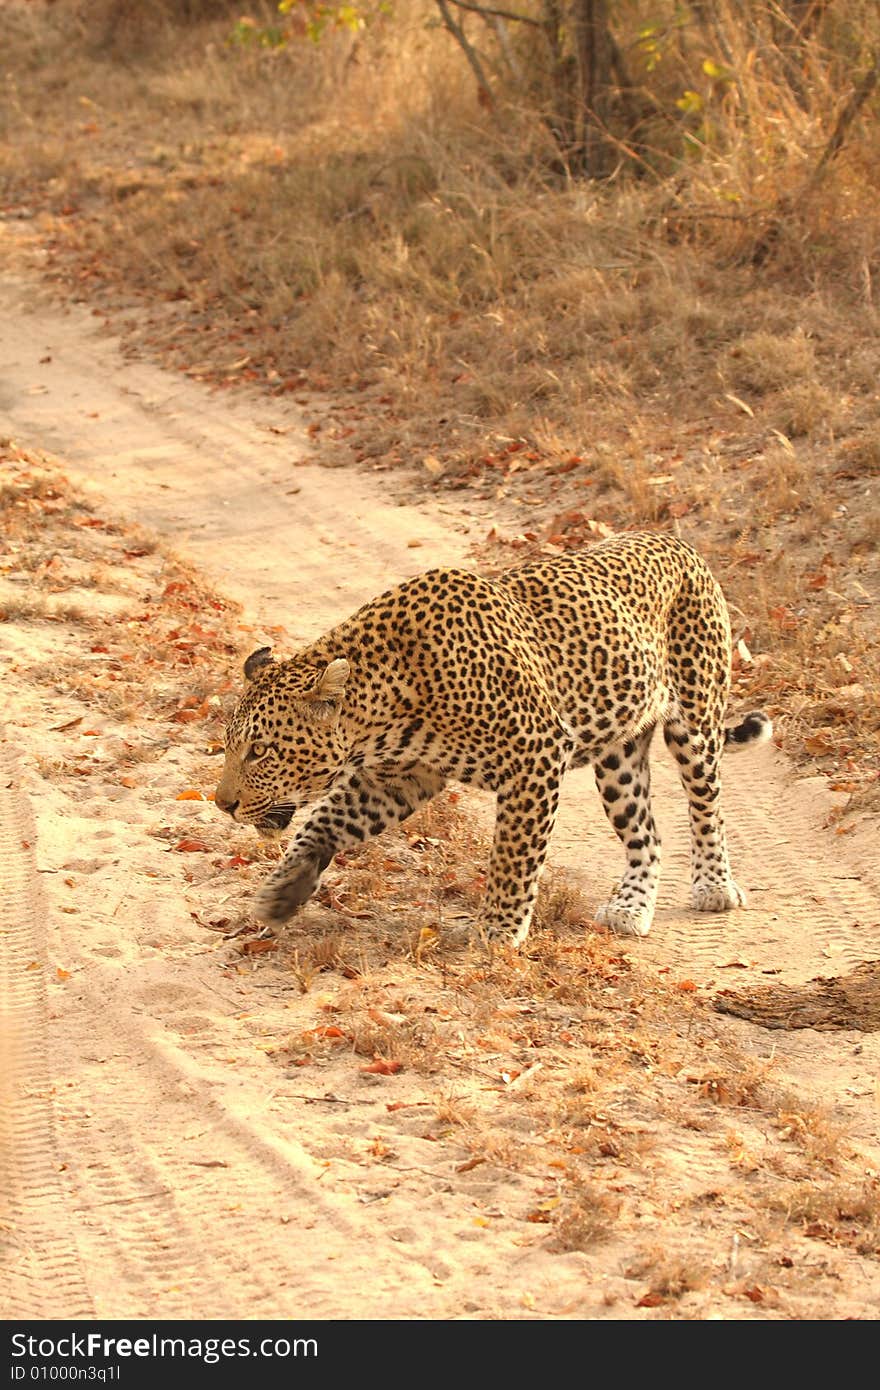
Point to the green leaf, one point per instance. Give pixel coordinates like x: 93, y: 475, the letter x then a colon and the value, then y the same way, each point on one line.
x: 690, y: 101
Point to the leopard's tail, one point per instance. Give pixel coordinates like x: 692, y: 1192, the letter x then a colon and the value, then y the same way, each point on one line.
x: 755, y: 728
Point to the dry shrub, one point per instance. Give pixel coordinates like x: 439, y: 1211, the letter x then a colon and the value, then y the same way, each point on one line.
x: 454, y: 1109
x: 579, y: 1102
x: 784, y: 482
x: 804, y: 408
x: 561, y: 904
x: 818, y: 643
x: 812, y: 1130
x: 19, y: 607
x: 669, y: 1276
x: 326, y: 953
x: 783, y: 371
x: 764, y: 362
x: 844, y: 1213
x: 736, y: 1080
x: 862, y: 453
x: 586, y: 1218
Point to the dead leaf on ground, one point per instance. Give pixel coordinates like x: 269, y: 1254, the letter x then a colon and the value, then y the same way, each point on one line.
x: 820, y: 742
x: 429, y: 939
x: 259, y: 945
x: 543, y: 1212
x: 382, y: 1067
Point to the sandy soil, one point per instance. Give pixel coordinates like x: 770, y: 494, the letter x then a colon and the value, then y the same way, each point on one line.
x: 165, y: 1155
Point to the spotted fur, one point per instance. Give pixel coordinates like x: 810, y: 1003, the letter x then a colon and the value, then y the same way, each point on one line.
x: 505, y: 684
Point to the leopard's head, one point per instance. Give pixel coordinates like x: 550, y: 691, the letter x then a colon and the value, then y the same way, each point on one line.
x: 284, y: 748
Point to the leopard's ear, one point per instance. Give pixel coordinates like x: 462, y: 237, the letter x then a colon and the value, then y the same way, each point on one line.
x: 256, y: 661
x: 330, y: 683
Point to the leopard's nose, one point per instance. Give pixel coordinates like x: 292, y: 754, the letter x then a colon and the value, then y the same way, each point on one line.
x: 223, y: 805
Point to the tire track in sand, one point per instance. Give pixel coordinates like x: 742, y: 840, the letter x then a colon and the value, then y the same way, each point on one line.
x: 42, y: 1274
x: 178, y: 1225
x: 814, y: 906
x: 224, y: 477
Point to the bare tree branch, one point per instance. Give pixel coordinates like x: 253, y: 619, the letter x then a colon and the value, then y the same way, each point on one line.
x: 469, y: 52
x: 858, y: 97
x: 500, y: 14
x: 506, y: 47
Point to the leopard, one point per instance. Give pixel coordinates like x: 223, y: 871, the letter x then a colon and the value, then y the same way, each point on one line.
x: 503, y: 683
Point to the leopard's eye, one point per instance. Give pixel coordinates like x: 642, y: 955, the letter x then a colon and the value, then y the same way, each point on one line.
x: 259, y: 750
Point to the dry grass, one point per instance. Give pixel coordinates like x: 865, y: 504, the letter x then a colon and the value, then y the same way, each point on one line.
x: 138, y: 651
x: 23, y: 607
x: 813, y: 1131
x: 842, y: 1213
x: 735, y: 1080
x: 668, y: 1276
x: 588, y: 1217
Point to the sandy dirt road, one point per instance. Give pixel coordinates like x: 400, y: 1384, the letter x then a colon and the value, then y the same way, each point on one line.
x: 153, y: 1166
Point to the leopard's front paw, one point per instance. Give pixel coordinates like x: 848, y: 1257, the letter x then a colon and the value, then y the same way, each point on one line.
x: 286, y: 890
x: 717, y: 897
x: 492, y: 934
x: 624, y: 918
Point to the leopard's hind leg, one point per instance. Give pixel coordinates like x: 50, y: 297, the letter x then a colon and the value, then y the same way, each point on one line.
x: 698, y: 754
x: 623, y: 776
x: 698, y: 655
